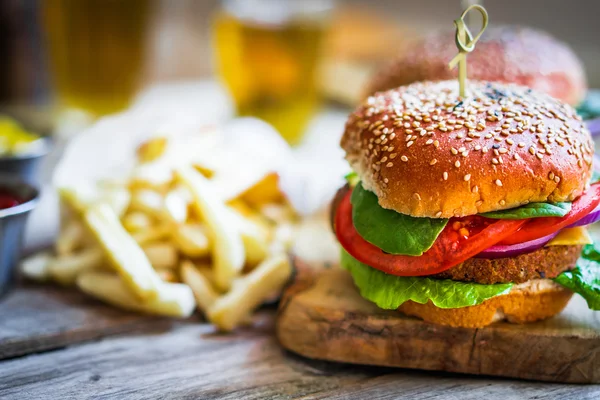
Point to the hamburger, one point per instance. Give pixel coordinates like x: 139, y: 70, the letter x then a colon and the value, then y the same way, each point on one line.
x: 467, y: 211
x: 508, y: 54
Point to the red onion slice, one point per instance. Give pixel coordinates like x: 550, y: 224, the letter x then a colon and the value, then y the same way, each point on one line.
x: 589, y: 219
x: 512, y: 250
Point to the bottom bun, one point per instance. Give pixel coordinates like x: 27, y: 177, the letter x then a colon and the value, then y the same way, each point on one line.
x: 530, y: 301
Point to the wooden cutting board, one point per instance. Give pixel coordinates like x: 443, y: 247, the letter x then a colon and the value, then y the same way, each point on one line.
x: 322, y: 316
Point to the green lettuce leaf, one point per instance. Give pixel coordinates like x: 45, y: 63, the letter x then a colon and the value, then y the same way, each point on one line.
x: 590, y: 108
x: 352, y: 178
x: 392, y: 232
x: 595, y: 176
x: 389, y: 291
x: 531, y: 210
x: 585, y: 278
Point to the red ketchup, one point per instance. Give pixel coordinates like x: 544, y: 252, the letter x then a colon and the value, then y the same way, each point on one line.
x: 8, y: 200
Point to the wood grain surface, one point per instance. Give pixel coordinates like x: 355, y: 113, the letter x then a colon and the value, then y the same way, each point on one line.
x: 193, y: 362
x: 36, y: 318
x: 323, y: 316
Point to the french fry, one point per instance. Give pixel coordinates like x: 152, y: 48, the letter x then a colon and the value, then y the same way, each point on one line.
x: 161, y: 255
x: 278, y: 213
x: 65, y: 269
x: 70, y: 238
x: 117, y: 198
x: 264, y: 191
x: 191, y: 239
x: 156, y: 175
x: 137, y: 221
x: 122, y: 251
x: 152, y: 234
x: 205, y: 170
x: 249, y: 291
x: 78, y: 199
x: 147, y: 201
x: 241, y: 207
x: 176, y: 206
x: 172, y: 299
x: 204, y: 293
x: 36, y: 268
x: 283, y: 238
x: 152, y: 149
x: 168, y: 275
x: 255, y: 238
x: 206, y: 271
x: 228, y: 248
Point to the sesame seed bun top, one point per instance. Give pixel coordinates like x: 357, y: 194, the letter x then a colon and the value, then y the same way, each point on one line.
x: 426, y: 152
x: 503, y: 54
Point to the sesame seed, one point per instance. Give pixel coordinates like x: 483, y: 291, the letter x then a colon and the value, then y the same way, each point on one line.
x: 438, y: 214
x: 467, y: 177
x: 383, y: 159
x: 436, y: 143
x: 503, y: 150
x: 445, y: 175
x: 521, y: 145
x: 498, y: 182
x: 386, y: 180
x: 509, y: 141
x: 531, y: 151
x: 404, y: 158
x: 416, y: 196
x: 556, y: 179
x: 457, y: 164
x: 502, y: 202
x: 454, y: 151
x: 551, y: 176
x: 409, y: 143
x: 494, y: 161
x: 475, y: 189
x: 390, y: 164
x: 429, y: 141
x: 432, y: 162
x: 540, y: 156
x: 393, y: 155
x: 461, y: 149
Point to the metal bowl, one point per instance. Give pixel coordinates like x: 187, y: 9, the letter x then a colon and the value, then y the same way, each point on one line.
x: 12, y: 225
x: 26, y: 166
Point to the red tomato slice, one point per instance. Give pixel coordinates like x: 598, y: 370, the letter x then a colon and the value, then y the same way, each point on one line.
x: 450, y: 248
x: 540, y: 227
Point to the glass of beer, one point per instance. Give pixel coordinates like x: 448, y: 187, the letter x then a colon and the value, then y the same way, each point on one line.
x: 97, y: 50
x: 267, y: 54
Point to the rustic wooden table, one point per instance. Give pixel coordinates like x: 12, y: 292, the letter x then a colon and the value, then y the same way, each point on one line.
x: 58, y: 345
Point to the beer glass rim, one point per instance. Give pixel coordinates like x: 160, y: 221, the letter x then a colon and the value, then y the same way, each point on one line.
x: 278, y: 11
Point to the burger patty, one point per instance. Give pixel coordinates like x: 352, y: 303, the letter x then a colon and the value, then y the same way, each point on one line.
x: 547, y: 262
